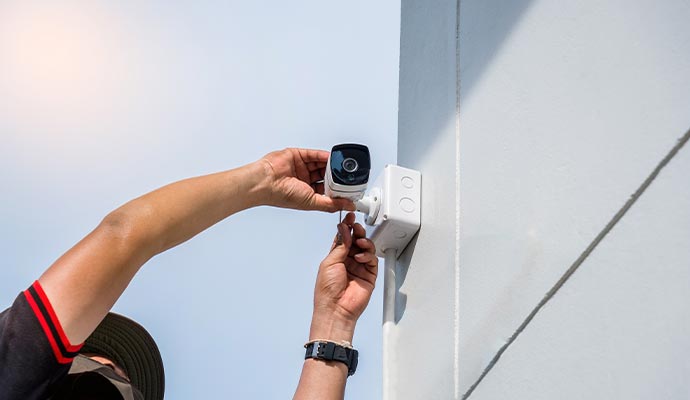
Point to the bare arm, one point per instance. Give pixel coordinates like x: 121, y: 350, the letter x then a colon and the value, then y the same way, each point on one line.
x: 343, y: 289
x: 87, y: 280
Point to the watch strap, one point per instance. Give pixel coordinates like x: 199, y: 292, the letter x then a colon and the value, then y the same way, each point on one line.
x: 330, y: 351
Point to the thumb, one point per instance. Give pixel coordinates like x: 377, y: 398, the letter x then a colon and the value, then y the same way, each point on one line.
x: 329, y: 204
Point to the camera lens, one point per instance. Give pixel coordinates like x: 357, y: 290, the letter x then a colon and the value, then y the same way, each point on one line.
x: 350, y: 165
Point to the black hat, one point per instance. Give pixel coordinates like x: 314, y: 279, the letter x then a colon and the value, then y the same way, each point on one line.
x: 130, y: 346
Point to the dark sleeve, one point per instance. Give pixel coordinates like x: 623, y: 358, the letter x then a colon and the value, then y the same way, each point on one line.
x: 34, y: 351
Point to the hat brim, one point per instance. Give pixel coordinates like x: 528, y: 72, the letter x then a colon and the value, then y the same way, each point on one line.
x: 130, y: 346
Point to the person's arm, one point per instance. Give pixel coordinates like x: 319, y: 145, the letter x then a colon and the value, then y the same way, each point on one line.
x: 85, y: 282
x: 344, y: 285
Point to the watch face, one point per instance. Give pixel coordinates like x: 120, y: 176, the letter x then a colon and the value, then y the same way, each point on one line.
x: 350, y: 164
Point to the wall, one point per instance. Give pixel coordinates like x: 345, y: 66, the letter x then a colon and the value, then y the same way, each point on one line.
x: 545, y: 134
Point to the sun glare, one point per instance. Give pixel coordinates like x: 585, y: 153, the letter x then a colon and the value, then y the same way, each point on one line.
x: 65, y: 79
x: 57, y: 59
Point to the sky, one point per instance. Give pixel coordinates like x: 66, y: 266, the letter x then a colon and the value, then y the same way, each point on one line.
x: 101, y: 102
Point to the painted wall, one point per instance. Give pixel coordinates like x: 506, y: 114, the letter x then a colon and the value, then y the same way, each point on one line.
x: 537, y: 126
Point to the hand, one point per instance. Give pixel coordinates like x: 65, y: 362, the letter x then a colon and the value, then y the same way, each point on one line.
x: 344, y: 284
x: 296, y: 181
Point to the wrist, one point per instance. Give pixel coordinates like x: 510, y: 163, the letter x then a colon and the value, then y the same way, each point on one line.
x: 265, y: 177
x: 257, y: 176
x: 332, y: 328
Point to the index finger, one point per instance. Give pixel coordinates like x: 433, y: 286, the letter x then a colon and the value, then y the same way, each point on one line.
x: 313, y: 155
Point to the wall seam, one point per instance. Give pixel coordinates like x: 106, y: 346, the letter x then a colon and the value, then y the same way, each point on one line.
x: 583, y: 256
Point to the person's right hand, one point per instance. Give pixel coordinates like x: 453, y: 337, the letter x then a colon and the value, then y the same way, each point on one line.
x: 295, y: 181
x: 344, y: 284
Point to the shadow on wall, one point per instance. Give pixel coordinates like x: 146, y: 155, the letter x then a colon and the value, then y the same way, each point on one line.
x: 429, y: 67
x: 428, y: 72
x: 401, y: 267
x: 484, y: 27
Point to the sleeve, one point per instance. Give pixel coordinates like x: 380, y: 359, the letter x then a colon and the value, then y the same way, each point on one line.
x: 34, y: 351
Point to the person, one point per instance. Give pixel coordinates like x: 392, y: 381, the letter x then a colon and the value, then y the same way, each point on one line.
x: 59, y: 341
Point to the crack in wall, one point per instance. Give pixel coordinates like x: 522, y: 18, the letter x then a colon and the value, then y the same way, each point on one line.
x: 575, y: 265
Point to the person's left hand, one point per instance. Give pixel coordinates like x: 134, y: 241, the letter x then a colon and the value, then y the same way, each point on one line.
x: 344, y: 284
x: 296, y: 181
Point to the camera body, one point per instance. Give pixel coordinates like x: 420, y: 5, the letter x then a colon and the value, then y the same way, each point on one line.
x: 347, y: 171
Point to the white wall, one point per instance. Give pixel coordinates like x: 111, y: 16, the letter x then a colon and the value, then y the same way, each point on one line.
x: 533, y: 123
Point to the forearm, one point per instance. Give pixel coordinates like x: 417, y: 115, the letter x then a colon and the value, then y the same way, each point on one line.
x: 322, y: 380
x: 86, y: 281
x: 177, y: 212
x: 325, y: 380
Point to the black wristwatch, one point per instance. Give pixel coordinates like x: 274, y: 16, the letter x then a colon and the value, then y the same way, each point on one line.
x: 329, y: 351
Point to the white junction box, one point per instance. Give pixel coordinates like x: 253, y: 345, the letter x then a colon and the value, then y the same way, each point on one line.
x: 395, y: 214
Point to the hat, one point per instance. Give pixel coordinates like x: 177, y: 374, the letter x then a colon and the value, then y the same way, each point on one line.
x: 130, y: 346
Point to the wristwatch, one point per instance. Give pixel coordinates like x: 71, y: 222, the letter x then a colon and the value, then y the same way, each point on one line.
x: 329, y: 351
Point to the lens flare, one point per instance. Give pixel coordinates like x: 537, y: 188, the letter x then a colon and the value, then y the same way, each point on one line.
x: 63, y: 70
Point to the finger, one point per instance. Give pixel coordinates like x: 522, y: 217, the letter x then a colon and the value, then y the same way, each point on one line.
x: 316, y: 175
x: 349, y: 219
x: 330, y: 204
x: 345, y: 204
x: 318, y: 187
x: 312, y: 155
x: 354, y: 250
x: 313, y: 166
x: 359, y: 231
x: 366, y: 245
x: 302, y: 173
x: 365, y: 258
x: 343, y: 236
x: 359, y: 271
x: 363, y: 276
x: 324, y: 203
x: 346, y: 235
x: 368, y: 259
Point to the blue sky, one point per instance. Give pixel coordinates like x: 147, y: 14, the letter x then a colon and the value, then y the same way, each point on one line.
x: 101, y: 102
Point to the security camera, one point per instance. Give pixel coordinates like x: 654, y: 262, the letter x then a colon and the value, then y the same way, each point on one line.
x: 347, y: 171
x: 391, y: 206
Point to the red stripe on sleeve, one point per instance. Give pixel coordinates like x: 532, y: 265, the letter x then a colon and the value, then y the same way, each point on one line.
x: 46, y: 330
x: 63, y: 338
